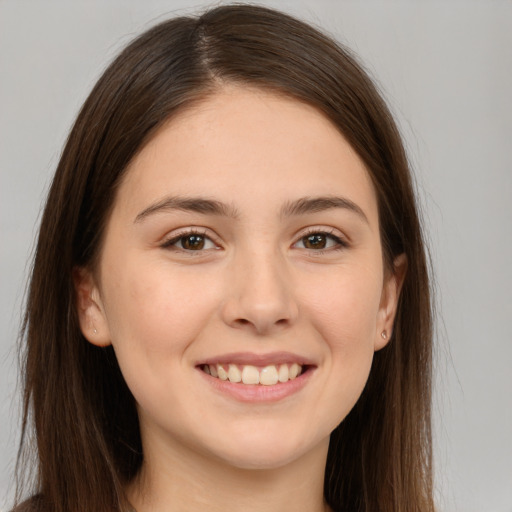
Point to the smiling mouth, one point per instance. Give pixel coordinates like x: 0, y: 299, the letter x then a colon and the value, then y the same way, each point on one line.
x: 269, y: 375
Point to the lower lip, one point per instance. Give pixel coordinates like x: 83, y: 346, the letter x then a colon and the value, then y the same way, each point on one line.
x: 256, y: 392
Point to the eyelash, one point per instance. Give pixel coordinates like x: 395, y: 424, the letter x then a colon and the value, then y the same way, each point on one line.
x: 168, y: 244
x: 340, y: 243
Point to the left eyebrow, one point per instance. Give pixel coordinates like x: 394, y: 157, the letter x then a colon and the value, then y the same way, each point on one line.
x: 306, y: 205
x: 189, y: 204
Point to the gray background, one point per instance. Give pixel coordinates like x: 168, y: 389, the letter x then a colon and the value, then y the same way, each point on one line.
x: 446, y: 69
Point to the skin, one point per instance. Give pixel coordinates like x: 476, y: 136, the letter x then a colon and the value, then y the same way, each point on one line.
x: 256, y: 287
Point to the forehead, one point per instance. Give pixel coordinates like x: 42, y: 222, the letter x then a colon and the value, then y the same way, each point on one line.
x: 245, y: 145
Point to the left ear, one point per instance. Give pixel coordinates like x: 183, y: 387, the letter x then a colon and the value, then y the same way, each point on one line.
x: 393, y: 281
x: 91, y: 311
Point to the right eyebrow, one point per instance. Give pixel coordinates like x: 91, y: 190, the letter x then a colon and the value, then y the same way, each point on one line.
x: 201, y: 205
x: 306, y: 205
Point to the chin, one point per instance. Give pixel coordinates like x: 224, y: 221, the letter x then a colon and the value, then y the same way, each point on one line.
x: 261, y: 461
x: 265, y: 452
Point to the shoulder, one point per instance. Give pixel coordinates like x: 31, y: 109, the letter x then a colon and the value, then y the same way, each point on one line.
x: 33, y: 504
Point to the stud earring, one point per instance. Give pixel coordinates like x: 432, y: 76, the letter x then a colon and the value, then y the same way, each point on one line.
x: 384, y: 335
x: 95, y: 331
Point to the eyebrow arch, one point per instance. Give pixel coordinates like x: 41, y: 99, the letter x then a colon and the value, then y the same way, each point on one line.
x: 306, y: 205
x: 190, y: 204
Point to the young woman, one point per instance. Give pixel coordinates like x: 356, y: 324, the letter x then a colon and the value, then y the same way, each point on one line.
x: 229, y: 306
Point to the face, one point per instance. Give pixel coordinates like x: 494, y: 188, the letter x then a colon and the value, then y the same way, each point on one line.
x: 243, y: 248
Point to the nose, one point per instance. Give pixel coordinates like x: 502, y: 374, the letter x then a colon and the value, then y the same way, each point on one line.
x: 260, y: 296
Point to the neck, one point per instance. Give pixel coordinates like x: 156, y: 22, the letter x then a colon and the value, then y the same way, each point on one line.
x: 178, y: 480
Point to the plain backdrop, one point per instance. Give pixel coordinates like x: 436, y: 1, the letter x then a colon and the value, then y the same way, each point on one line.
x: 446, y: 70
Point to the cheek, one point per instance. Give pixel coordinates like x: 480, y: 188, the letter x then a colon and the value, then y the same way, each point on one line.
x: 345, y: 313
x: 154, y: 317
x: 345, y: 309
x: 156, y: 311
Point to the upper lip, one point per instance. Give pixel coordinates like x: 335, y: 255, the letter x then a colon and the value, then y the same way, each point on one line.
x: 250, y: 358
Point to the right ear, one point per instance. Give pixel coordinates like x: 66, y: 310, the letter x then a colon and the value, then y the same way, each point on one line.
x: 91, y: 313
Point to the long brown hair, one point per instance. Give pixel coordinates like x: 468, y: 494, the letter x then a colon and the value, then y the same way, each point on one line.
x: 83, y: 414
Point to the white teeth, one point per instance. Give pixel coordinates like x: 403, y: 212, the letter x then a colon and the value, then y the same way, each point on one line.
x: 294, y: 371
x: 268, y: 376
x: 234, y: 374
x: 222, y: 373
x: 252, y: 375
x: 283, y: 373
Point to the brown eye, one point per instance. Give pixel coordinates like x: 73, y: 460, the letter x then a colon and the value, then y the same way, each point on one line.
x: 319, y: 241
x: 315, y: 241
x: 192, y: 242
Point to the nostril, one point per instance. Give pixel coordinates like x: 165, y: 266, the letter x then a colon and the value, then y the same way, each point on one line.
x: 244, y: 321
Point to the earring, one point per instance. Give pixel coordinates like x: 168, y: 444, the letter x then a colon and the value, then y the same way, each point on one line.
x: 384, y: 335
x: 95, y: 331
